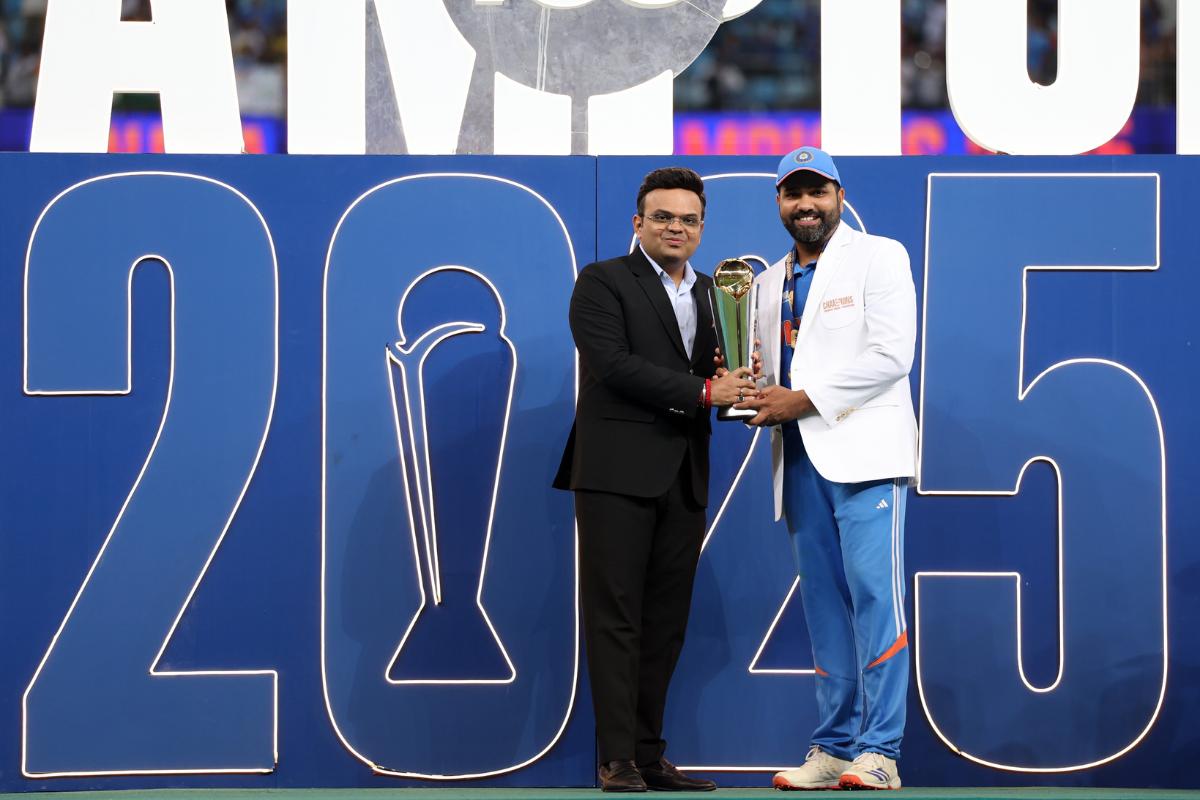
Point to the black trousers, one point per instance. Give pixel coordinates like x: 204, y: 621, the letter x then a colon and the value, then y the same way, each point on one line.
x: 637, y: 565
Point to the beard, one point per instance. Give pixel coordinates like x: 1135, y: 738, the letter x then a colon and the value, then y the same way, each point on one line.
x: 813, y: 234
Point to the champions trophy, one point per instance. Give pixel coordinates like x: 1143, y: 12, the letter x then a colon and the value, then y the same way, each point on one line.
x: 733, y: 301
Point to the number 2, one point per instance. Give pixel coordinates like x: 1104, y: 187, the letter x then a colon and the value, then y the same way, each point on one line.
x: 98, y: 703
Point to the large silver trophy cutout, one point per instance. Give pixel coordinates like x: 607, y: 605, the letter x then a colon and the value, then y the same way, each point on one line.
x: 576, y: 49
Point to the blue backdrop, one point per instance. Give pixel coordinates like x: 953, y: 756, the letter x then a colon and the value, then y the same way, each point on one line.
x: 278, y: 436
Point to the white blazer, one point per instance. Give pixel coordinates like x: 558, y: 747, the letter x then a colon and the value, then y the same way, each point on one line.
x: 853, y: 355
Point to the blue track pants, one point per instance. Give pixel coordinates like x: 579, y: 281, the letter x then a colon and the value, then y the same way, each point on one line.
x: 849, y: 544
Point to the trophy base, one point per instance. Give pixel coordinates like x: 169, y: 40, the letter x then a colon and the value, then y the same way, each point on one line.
x: 731, y: 414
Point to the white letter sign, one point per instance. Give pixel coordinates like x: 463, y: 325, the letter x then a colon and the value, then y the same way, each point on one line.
x: 860, y: 77
x: 997, y: 104
x: 184, y: 55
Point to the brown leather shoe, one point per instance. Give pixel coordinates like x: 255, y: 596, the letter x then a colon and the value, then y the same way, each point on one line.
x: 666, y: 777
x: 621, y: 776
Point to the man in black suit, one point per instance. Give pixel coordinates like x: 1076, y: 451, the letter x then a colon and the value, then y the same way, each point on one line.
x: 637, y: 460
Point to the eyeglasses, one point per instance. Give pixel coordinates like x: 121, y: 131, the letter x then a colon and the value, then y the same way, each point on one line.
x: 689, y: 221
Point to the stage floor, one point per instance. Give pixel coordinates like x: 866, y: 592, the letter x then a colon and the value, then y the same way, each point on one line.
x: 458, y: 793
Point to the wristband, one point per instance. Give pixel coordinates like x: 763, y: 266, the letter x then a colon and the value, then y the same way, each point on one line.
x: 708, y: 393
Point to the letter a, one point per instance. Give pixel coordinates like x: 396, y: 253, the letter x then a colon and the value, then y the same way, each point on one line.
x: 184, y: 55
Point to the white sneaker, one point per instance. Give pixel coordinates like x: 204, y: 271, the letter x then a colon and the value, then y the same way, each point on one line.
x: 820, y: 771
x: 871, y: 771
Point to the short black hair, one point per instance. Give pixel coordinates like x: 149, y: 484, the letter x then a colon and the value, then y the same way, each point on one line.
x: 671, y: 178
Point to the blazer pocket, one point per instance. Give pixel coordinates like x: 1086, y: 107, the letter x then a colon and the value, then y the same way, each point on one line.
x: 888, y: 398
x: 841, y: 306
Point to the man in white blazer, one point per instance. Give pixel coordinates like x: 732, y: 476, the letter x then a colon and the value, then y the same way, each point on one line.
x: 837, y: 324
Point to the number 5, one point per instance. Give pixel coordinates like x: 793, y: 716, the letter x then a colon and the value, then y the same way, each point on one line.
x: 1094, y: 421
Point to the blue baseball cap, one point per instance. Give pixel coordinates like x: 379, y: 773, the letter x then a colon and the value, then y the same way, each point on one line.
x: 806, y: 158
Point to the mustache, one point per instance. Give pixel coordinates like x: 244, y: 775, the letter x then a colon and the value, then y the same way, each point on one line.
x: 808, y: 234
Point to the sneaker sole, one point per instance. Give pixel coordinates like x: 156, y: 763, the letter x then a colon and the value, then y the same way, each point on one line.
x: 854, y: 782
x: 782, y: 784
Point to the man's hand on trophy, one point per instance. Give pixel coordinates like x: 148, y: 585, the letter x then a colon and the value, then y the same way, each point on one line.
x: 776, y: 405
x: 755, y: 357
x: 733, y: 387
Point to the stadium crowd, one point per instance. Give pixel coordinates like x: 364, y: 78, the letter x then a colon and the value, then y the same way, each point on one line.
x: 768, y: 59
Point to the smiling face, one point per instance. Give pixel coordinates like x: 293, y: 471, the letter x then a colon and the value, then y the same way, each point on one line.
x: 670, y: 226
x: 810, y: 206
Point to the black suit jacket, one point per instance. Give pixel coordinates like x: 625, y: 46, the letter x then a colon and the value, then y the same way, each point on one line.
x: 638, y: 415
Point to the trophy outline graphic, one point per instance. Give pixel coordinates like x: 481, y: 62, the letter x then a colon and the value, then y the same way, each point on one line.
x: 420, y: 481
x: 556, y: 676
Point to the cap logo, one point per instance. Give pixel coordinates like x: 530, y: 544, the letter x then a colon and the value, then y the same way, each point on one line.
x: 803, y: 156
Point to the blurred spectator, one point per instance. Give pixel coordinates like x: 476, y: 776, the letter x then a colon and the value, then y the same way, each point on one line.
x: 5, y: 45
x: 22, y: 60
x: 257, y: 35
x: 1157, y: 87
x: 923, y: 54
x: 135, y: 10
x: 1042, y: 52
